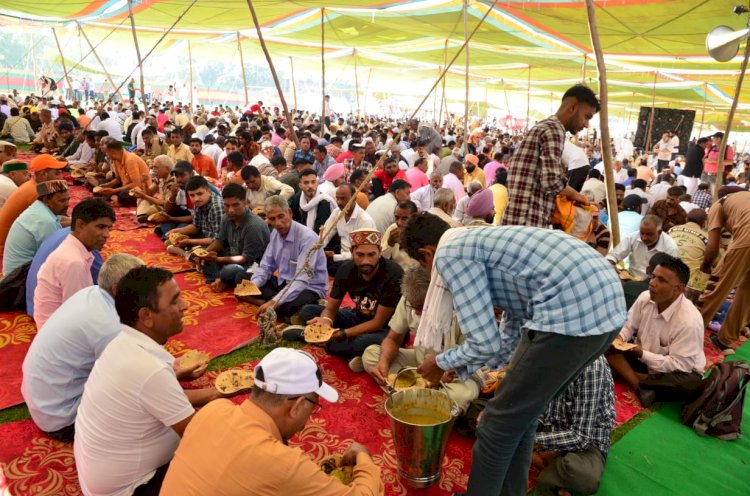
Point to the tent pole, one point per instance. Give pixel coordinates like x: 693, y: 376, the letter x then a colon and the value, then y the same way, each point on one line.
x: 323, y: 68
x: 609, y: 176
x: 439, y: 115
x: 442, y: 98
x: 703, y: 110
x: 158, y: 42
x: 294, y: 85
x: 138, y: 54
x: 287, y: 115
x: 190, y: 64
x: 109, y: 78
x: 356, y: 78
x: 583, y: 69
x: 242, y: 63
x: 367, y: 90
x: 466, y: 79
x: 651, y: 116
x: 62, y: 59
x: 723, y: 148
x: 33, y: 59
x: 450, y: 64
x: 528, y: 100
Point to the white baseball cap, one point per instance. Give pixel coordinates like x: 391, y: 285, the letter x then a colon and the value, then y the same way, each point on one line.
x: 291, y: 372
x: 265, y: 145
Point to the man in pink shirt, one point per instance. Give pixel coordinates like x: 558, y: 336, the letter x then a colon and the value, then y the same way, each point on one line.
x: 68, y: 269
x: 417, y: 175
x: 490, y: 168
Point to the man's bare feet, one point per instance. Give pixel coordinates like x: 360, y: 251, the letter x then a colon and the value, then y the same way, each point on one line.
x: 218, y: 286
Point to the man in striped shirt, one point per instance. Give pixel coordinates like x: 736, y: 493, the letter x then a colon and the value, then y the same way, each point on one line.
x: 536, y: 174
x: 562, y: 307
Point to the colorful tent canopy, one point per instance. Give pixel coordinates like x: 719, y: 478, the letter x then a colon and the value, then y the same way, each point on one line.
x: 544, y: 43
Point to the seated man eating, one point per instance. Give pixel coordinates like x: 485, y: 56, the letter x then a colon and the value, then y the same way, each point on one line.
x: 667, y: 360
x: 207, y: 219
x: 374, y: 285
x: 389, y: 357
x: 572, y: 440
x: 286, y: 252
x: 240, y: 243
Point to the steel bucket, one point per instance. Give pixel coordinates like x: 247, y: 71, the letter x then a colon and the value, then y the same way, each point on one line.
x: 421, y: 420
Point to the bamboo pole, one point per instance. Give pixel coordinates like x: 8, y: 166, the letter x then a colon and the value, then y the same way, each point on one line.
x: 442, y: 98
x: 138, y: 54
x: 322, y: 70
x: 583, y: 69
x: 242, y: 63
x: 273, y: 72
x: 609, y: 176
x: 723, y: 148
x: 158, y: 42
x: 466, y: 78
x: 33, y: 60
x: 367, y: 89
x: 450, y: 64
x: 528, y: 100
x: 703, y: 110
x: 651, y: 116
x: 294, y: 85
x: 101, y: 64
x: 356, y: 79
x: 62, y: 60
x: 190, y: 65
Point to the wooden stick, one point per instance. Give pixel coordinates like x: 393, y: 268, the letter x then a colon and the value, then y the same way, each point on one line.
x: 273, y: 73
x: 466, y: 78
x: 356, y: 78
x: 190, y: 64
x: 703, y: 110
x: 723, y: 148
x: 528, y: 100
x: 323, y: 70
x: 158, y: 42
x: 138, y: 54
x: 442, y: 98
x: 583, y: 69
x: 647, y: 148
x: 62, y: 60
x: 242, y: 63
x: 609, y: 176
x: 109, y: 78
x: 448, y: 66
x: 367, y: 89
x: 294, y: 85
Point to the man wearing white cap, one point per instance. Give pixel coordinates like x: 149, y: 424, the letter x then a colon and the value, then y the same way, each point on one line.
x: 242, y: 449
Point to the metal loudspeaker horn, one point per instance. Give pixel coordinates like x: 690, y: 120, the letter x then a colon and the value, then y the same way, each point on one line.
x: 723, y: 43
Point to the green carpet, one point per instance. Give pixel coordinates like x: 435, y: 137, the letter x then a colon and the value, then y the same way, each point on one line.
x: 662, y: 457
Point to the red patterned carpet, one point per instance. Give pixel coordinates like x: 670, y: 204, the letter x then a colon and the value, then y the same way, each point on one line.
x: 33, y: 463
x: 214, y: 322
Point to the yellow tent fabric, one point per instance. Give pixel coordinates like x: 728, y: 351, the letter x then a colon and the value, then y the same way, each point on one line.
x: 399, y: 41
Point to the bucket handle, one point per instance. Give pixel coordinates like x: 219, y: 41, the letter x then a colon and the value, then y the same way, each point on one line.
x: 455, y: 412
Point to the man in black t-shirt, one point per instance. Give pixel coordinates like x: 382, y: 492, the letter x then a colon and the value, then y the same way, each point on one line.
x: 374, y: 284
x: 691, y: 174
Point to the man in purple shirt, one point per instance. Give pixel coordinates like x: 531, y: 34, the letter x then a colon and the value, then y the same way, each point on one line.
x: 287, y: 250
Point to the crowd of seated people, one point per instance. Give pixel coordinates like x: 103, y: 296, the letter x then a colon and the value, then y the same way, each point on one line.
x: 247, y: 196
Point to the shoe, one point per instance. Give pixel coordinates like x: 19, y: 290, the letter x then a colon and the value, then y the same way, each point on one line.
x: 294, y: 333
x: 176, y: 250
x: 727, y: 350
x: 647, y: 397
x: 356, y: 365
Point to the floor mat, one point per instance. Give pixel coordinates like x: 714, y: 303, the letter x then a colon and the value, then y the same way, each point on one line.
x: 661, y: 456
x: 33, y: 463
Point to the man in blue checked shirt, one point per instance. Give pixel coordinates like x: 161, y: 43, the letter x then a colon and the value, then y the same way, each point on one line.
x: 562, y: 307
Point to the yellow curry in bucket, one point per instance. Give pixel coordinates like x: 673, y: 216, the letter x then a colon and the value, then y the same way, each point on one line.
x: 420, y: 415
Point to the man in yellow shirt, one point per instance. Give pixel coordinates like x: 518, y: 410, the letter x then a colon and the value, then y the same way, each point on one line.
x: 242, y: 449
x: 177, y: 149
x: 472, y: 171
